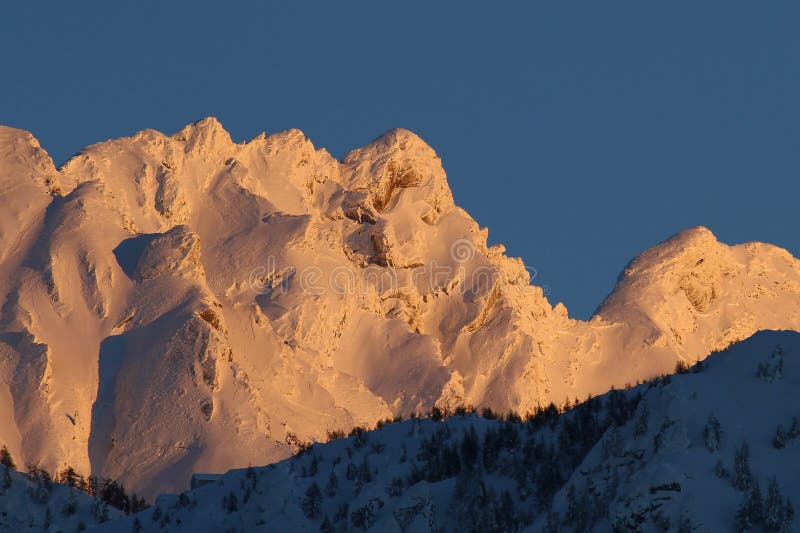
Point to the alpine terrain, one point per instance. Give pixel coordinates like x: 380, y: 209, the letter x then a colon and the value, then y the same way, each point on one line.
x: 679, y: 453
x: 186, y: 303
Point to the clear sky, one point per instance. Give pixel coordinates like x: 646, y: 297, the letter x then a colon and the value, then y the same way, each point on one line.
x: 580, y: 133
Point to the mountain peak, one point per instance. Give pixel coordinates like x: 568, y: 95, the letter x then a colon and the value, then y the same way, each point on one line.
x: 399, y: 159
x: 402, y: 139
x: 21, y: 153
x: 681, y: 290
x: 204, y: 135
x: 11, y: 135
x: 697, y: 236
x: 21, y: 144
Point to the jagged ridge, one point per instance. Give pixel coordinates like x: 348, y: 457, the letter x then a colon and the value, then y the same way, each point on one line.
x: 181, y: 303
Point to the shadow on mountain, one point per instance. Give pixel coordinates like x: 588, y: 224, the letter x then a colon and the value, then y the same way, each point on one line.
x: 130, y: 251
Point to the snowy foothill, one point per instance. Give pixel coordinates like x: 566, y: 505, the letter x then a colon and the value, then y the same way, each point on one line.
x: 713, y: 448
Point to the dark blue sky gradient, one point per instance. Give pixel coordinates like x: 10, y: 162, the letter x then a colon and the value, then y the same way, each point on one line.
x: 580, y: 133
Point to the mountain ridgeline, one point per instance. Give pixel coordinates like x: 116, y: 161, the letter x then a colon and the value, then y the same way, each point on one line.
x: 175, y: 304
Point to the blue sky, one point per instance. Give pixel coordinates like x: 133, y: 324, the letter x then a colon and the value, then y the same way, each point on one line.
x: 580, y: 133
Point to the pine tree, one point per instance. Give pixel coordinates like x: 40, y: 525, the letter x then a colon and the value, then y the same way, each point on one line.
x: 751, y: 510
x: 6, y: 459
x: 778, y: 514
x: 773, y: 507
x: 641, y: 424
x: 788, y: 517
x: 779, y: 442
x: 69, y: 477
x: 756, y: 503
x: 326, y: 526
x: 6, y: 479
x: 742, y: 477
x: 450, y: 462
x: 364, y: 474
x: 395, y: 487
x: 333, y: 484
x: 230, y: 503
x: 312, y: 501
x: 314, y: 466
x: 576, y: 509
x: 93, y: 486
x: 114, y: 494
x: 572, y: 505
x: 101, y: 511
x: 712, y: 434
x: 71, y: 505
x: 341, y: 512
x: 614, y: 445
x: 794, y: 431
x: 364, y: 517
x: 140, y: 504
x: 507, y: 512
x: 470, y: 449
x: 660, y: 438
x: 548, y: 477
x: 719, y: 470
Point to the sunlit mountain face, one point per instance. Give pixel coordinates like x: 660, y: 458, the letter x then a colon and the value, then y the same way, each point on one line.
x: 182, y: 304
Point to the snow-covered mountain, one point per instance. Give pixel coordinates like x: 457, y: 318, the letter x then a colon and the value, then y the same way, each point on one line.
x: 184, y: 303
x: 716, y: 448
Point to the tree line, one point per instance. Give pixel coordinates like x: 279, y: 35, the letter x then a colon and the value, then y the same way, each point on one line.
x: 104, y: 489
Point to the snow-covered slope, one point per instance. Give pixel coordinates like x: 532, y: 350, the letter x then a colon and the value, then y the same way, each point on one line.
x: 659, y: 457
x: 36, y: 504
x: 186, y: 303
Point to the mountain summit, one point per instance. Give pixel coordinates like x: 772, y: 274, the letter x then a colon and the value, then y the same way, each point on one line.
x: 186, y: 303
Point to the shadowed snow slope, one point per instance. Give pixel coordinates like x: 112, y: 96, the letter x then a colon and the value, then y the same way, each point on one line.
x: 34, y: 503
x: 187, y: 303
x: 680, y: 453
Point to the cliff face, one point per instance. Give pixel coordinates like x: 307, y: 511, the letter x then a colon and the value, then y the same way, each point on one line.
x: 187, y: 303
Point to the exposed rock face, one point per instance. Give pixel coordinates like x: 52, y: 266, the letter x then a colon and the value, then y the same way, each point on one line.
x: 184, y: 303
